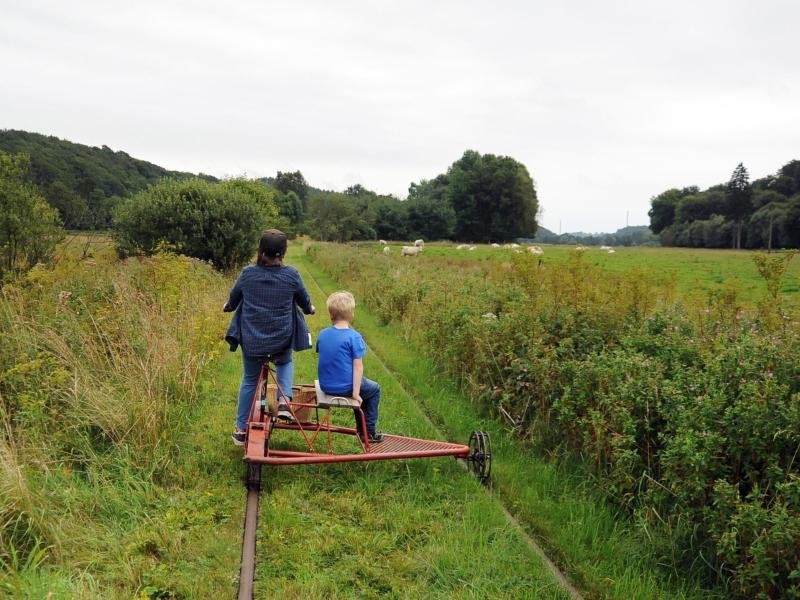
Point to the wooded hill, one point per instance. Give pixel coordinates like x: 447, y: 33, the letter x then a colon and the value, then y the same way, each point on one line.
x: 736, y: 214
x: 83, y: 182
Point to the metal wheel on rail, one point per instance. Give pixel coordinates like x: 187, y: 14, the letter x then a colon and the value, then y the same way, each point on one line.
x: 479, y: 459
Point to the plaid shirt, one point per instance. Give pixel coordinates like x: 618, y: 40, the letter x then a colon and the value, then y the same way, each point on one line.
x: 264, y: 299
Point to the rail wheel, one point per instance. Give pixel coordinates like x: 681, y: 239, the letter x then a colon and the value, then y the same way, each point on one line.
x: 479, y: 459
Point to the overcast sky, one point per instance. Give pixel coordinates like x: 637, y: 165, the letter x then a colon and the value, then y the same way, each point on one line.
x: 606, y: 103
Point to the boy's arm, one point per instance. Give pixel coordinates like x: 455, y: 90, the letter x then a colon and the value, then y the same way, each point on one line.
x: 358, y: 373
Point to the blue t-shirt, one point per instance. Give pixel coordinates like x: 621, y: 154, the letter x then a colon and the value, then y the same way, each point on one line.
x: 337, y: 349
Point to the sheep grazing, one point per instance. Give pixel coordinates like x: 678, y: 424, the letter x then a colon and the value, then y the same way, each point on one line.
x: 495, y: 245
x: 419, y: 243
x: 410, y: 250
x: 611, y: 251
x: 384, y: 242
x: 535, y: 250
x: 605, y: 247
x: 386, y: 249
x: 461, y: 247
x: 471, y: 248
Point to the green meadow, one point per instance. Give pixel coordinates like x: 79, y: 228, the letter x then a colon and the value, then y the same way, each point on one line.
x: 694, y: 273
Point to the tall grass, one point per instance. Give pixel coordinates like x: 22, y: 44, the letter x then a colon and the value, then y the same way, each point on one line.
x: 99, y: 368
x: 686, y: 414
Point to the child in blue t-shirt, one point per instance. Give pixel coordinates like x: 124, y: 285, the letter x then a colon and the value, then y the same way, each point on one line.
x: 340, y: 370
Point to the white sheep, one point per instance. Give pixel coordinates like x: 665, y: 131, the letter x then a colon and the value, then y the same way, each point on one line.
x: 471, y: 248
x: 386, y: 249
x: 461, y: 247
x: 605, y: 247
x: 535, y: 250
x: 419, y: 243
x: 410, y: 250
x: 384, y: 242
x: 495, y: 245
x: 611, y: 251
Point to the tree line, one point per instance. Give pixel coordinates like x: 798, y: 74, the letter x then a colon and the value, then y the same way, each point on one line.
x: 736, y: 214
x: 481, y: 198
x: 52, y: 184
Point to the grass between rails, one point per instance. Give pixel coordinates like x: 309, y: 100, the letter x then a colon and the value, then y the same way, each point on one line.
x: 596, y: 548
x: 397, y: 529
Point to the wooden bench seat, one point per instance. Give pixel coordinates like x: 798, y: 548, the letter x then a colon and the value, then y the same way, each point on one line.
x: 327, y: 401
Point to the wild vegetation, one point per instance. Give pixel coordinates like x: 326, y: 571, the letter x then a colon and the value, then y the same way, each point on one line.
x: 99, y: 367
x: 29, y: 227
x: 113, y: 482
x: 764, y: 214
x: 216, y: 222
x: 688, y: 418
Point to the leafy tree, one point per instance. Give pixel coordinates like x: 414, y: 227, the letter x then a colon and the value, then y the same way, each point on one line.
x: 763, y: 197
x: 357, y: 190
x: 493, y: 198
x: 391, y: 219
x: 766, y: 226
x: 73, y: 209
x: 29, y: 227
x: 217, y: 222
x: 333, y: 217
x: 663, y: 207
x: 291, y: 208
x: 293, y: 181
x: 700, y: 206
x: 430, y: 218
x: 739, y: 200
x: 790, y: 230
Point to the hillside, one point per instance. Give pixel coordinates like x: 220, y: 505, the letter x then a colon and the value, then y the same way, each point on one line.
x: 83, y: 182
x: 633, y: 235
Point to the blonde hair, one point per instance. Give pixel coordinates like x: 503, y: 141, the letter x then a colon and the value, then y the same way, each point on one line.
x: 341, y: 306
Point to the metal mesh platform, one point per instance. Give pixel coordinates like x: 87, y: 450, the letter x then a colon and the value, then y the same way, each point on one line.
x: 399, y: 444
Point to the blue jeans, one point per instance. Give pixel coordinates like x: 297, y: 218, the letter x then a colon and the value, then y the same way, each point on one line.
x: 370, y: 399
x: 251, y: 369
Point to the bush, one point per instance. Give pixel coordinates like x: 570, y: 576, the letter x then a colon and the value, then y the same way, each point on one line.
x: 216, y: 222
x: 690, y: 424
x: 29, y: 227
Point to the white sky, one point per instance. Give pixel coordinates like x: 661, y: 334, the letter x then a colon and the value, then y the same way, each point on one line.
x: 607, y: 103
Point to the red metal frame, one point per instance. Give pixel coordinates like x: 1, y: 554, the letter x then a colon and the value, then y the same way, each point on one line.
x: 261, y: 425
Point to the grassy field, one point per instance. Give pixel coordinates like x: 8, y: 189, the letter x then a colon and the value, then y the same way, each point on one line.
x: 113, y: 514
x: 694, y: 272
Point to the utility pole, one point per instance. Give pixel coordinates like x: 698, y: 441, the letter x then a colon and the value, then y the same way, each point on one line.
x: 627, y: 213
x: 559, y: 227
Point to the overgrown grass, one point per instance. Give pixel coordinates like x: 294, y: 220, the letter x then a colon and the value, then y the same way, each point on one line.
x: 98, y: 373
x: 682, y: 415
x: 598, y: 549
x: 98, y: 510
